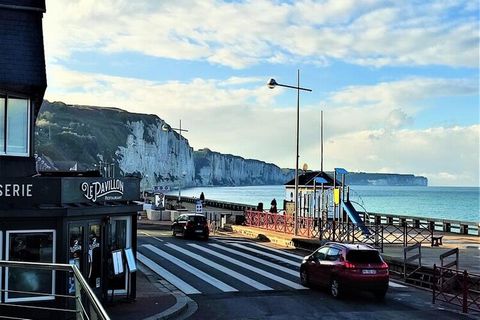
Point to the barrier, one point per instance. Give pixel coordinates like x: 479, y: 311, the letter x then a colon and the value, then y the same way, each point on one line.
x: 456, y: 287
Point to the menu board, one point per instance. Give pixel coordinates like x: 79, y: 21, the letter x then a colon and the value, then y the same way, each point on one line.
x: 117, y: 262
x: 132, y: 266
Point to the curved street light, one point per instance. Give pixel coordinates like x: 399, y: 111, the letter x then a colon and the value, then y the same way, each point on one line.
x: 272, y: 84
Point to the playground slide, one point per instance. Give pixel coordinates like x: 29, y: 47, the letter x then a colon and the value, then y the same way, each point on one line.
x: 355, y: 217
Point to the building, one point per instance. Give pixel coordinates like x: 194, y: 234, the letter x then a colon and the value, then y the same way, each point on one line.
x: 70, y: 217
x: 315, y: 194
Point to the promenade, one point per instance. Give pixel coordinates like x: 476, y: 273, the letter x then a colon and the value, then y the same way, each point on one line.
x: 468, y: 245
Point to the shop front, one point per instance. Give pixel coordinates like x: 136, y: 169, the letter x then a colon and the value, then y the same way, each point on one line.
x: 71, y: 219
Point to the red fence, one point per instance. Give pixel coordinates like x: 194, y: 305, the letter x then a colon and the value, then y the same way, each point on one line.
x: 307, y: 227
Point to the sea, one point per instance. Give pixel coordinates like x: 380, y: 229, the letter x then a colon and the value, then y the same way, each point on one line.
x: 453, y: 203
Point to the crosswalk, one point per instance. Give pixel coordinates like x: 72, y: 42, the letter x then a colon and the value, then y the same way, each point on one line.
x: 197, y: 267
x: 222, y: 266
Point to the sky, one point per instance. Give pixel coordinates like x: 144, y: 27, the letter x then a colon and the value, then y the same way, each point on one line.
x: 398, y: 81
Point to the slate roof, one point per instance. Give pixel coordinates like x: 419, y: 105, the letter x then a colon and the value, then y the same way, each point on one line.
x: 307, y: 178
x: 22, y: 57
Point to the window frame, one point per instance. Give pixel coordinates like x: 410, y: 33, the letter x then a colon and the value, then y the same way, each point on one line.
x: 7, y: 257
x: 3, y: 149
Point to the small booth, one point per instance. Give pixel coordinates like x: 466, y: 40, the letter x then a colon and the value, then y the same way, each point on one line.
x: 78, y: 219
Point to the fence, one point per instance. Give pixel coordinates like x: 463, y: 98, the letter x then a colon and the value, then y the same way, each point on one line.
x: 339, y: 231
x: 456, y: 287
x: 79, y: 303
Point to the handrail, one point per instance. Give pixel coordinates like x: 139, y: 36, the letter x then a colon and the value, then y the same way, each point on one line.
x: 82, y: 285
x: 91, y: 296
x: 365, y: 211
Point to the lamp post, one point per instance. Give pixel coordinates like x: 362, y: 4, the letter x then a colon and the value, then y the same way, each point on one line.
x: 166, y: 127
x: 272, y: 84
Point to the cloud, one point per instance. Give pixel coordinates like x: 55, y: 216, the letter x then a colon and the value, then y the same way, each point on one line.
x: 239, y: 34
x: 447, y: 156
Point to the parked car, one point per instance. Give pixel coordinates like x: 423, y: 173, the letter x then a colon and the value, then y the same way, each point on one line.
x: 191, y: 225
x: 346, y: 267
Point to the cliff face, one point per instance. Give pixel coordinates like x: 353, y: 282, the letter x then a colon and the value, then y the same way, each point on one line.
x: 213, y: 168
x: 385, y: 179
x: 87, y: 138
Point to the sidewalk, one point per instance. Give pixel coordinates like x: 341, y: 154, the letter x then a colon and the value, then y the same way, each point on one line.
x: 156, y: 299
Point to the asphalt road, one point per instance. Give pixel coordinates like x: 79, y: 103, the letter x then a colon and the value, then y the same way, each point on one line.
x: 240, y: 279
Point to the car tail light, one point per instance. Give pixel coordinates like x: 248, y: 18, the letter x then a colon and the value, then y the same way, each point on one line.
x: 383, y: 269
x: 351, y: 267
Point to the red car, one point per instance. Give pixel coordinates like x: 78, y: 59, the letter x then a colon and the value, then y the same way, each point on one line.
x: 346, y: 267
x: 191, y: 225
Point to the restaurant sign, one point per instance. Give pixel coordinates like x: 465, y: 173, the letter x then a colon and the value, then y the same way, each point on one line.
x: 109, y: 190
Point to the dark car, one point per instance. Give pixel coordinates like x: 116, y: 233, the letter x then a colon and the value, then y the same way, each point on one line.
x: 346, y: 267
x: 191, y: 225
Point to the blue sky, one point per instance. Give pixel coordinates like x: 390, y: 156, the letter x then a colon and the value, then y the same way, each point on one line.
x: 398, y: 81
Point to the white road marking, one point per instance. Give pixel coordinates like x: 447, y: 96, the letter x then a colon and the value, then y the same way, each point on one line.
x: 256, y: 259
x: 272, y: 249
x: 396, y: 285
x: 276, y: 257
x: 174, y: 280
x: 264, y: 273
x: 149, y: 235
x: 230, y: 272
x: 196, y: 272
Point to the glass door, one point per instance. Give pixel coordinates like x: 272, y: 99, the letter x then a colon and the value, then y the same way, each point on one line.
x: 119, y: 238
x: 85, y: 251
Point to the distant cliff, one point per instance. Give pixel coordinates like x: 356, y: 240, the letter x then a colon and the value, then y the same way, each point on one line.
x: 213, y: 168
x: 85, y: 138
x: 385, y: 179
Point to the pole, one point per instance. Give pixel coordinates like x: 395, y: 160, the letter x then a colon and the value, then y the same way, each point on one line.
x: 321, y: 141
x: 297, y: 156
x: 178, y: 153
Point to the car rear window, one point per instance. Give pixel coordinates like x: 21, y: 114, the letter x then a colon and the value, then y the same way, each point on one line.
x: 363, y: 256
x: 197, y: 219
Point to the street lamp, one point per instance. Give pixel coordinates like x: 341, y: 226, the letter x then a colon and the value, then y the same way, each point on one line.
x: 166, y: 127
x: 272, y: 84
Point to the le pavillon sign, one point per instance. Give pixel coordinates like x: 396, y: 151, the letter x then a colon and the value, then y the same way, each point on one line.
x: 110, y: 190
x: 38, y: 191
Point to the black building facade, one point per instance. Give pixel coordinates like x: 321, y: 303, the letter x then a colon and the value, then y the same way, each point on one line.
x: 77, y: 218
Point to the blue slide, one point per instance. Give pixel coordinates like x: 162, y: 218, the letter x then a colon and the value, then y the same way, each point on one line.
x: 355, y: 217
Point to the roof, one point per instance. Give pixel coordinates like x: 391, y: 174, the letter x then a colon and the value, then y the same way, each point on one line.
x: 22, y: 36
x: 307, y: 179
x: 351, y: 246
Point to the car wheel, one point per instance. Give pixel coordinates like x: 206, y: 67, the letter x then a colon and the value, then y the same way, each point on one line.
x: 304, y: 279
x: 335, y: 288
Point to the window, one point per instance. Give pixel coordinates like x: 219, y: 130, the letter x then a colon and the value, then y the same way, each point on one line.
x: 333, y: 254
x: 320, y: 254
x: 364, y: 256
x: 31, y: 246
x: 14, y: 126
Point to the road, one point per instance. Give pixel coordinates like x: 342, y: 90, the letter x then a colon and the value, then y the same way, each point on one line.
x: 231, y: 278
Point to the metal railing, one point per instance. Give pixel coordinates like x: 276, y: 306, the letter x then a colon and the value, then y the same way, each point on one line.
x: 81, y: 303
x: 459, y: 288
x: 380, y: 234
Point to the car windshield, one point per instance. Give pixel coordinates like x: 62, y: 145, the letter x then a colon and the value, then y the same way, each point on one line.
x: 363, y: 256
x: 197, y: 219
